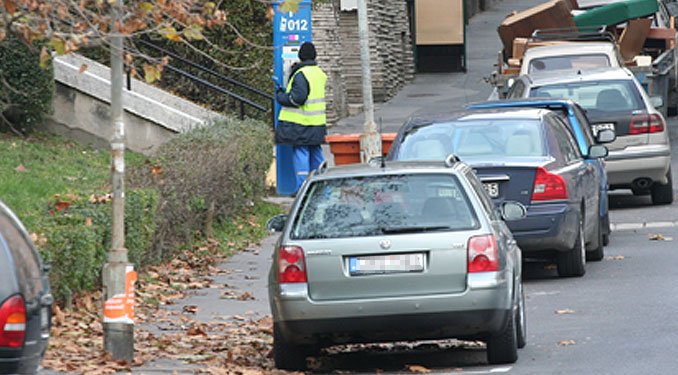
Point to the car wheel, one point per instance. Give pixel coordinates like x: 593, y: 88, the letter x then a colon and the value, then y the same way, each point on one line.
x: 287, y: 356
x: 521, y: 321
x: 573, y: 262
x: 598, y: 253
x: 503, y: 347
x: 607, y: 231
x: 663, y: 194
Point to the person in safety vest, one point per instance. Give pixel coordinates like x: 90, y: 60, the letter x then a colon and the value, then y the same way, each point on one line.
x: 301, y: 122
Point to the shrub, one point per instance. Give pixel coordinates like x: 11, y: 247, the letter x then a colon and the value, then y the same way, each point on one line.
x: 30, y: 98
x: 78, y: 239
x: 205, y: 176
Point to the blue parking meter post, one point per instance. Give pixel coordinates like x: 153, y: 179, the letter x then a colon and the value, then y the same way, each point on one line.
x: 290, y: 30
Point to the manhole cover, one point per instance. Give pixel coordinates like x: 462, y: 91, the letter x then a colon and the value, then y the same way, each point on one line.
x: 422, y: 95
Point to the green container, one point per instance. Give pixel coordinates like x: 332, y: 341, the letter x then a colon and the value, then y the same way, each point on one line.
x: 616, y: 13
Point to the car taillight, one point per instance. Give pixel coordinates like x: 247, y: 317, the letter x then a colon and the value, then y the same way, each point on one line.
x: 13, y: 322
x: 291, y: 265
x: 548, y: 186
x: 643, y: 124
x: 483, y: 255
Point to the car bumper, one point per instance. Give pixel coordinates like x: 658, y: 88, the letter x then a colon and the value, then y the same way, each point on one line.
x: 20, y: 365
x: 548, y: 226
x: 480, y: 310
x: 625, y: 166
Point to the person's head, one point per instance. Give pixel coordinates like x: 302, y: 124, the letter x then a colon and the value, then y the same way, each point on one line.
x: 307, y: 51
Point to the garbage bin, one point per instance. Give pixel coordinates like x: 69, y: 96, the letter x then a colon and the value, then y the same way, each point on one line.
x: 346, y: 147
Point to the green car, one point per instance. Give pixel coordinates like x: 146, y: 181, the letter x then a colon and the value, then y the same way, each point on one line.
x: 402, y: 251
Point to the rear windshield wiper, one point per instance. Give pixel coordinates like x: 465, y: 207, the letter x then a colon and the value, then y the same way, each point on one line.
x: 430, y: 228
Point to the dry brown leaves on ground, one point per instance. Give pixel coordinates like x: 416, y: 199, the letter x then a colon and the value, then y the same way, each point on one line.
x: 237, y: 346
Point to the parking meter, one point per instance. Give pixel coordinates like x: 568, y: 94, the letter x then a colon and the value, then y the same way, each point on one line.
x: 290, y: 30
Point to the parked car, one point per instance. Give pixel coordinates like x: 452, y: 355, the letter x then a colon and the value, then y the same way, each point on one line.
x: 575, y: 118
x: 640, y: 157
x: 25, y: 299
x: 402, y: 251
x: 526, y: 155
x: 571, y: 55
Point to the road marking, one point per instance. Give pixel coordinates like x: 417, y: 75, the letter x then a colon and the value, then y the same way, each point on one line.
x: 644, y: 225
x: 495, y: 370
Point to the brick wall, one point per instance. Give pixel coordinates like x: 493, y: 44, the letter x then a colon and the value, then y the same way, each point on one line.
x: 335, y: 34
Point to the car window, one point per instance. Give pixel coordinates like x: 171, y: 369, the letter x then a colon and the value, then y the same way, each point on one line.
x: 378, y: 205
x: 495, y: 138
x: 27, y: 264
x: 568, y: 148
x: 567, y: 62
x: 517, y: 90
x: 606, y: 96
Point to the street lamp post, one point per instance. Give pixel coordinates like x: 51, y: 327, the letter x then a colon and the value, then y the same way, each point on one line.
x: 370, y: 140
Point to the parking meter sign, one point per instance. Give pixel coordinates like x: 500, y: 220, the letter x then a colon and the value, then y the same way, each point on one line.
x: 290, y: 30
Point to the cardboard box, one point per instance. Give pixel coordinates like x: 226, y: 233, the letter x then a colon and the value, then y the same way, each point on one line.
x: 551, y: 14
x: 519, y: 47
x: 633, y: 37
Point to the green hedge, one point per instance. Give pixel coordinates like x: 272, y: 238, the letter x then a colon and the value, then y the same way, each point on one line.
x: 205, y: 176
x: 78, y: 239
x: 33, y: 87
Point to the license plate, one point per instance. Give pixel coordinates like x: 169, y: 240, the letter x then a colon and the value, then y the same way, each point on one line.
x: 392, y: 263
x: 492, y: 189
x: 44, y: 317
x: 595, y: 128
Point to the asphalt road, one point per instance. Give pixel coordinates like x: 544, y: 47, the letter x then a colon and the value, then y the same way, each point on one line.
x: 617, y: 319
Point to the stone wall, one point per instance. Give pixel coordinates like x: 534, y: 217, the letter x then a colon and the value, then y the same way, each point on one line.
x: 335, y: 33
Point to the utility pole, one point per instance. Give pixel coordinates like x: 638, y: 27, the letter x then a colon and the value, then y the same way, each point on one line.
x: 118, y: 275
x: 370, y: 140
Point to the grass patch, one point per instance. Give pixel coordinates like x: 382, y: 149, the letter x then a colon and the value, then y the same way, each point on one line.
x: 248, y: 227
x: 39, y: 166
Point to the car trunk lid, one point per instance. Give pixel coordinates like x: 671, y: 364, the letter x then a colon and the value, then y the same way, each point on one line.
x: 511, y: 180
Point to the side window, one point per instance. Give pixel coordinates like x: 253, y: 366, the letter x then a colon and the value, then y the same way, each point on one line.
x: 27, y: 264
x: 485, y: 199
x: 565, y: 141
x: 517, y: 90
x: 584, y: 125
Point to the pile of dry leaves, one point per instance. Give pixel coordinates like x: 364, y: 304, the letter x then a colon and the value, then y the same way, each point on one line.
x: 234, y: 346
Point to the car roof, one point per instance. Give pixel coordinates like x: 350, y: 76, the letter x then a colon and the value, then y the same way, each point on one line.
x: 389, y: 168
x: 570, y: 48
x: 475, y: 114
x: 567, y: 76
x: 524, y: 102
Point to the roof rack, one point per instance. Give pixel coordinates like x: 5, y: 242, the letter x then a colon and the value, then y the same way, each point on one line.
x: 581, y: 34
x: 451, y: 160
x: 322, y: 168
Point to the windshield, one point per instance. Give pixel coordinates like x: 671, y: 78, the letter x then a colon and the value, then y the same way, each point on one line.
x: 568, y: 62
x: 496, y: 138
x: 378, y: 205
x: 607, y: 96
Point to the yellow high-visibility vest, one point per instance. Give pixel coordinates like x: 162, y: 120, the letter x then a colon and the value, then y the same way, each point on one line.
x: 312, y: 113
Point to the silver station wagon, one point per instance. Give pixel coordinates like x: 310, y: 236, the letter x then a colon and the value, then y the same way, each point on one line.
x: 402, y: 251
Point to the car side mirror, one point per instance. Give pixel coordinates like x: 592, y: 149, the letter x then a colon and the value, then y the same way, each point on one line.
x: 597, y: 151
x: 511, y: 211
x: 276, y: 223
x: 657, y: 101
x: 46, y: 267
x: 606, y: 136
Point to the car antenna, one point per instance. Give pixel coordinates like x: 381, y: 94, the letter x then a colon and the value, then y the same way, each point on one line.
x: 381, y: 144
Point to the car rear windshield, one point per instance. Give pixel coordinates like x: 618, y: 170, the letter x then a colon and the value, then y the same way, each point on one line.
x: 496, y: 138
x: 608, y: 96
x: 383, y: 205
x: 568, y: 62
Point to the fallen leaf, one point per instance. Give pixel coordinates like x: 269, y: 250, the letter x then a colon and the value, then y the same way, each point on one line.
x: 658, y: 237
x: 615, y: 257
x: 20, y: 168
x: 566, y: 342
x: 88, y: 222
x: 191, y: 309
x: 418, y: 369
x: 83, y: 68
x: 245, y: 296
x: 565, y: 311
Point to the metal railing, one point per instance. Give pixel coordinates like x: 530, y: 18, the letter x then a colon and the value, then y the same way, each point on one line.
x: 242, y: 101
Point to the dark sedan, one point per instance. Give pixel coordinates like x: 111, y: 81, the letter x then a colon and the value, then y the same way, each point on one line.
x: 524, y: 155
x: 25, y: 299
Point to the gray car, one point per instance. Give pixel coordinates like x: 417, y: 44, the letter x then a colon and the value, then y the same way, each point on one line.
x: 640, y: 156
x: 402, y: 251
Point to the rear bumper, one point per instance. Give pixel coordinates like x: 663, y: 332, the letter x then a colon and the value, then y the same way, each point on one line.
x: 20, y: 365
x: 478, y: 311
x: 548, y: 226
x: 625, y: 166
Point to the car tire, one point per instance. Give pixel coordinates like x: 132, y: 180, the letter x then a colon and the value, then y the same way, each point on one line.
x: 573, y: 262
x: 287, y: 356
x: 598, y: 252
x: 521, y: 320
x: 503, y: 347
x: 663, y: 194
